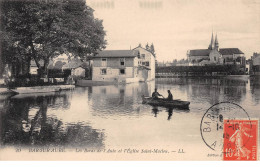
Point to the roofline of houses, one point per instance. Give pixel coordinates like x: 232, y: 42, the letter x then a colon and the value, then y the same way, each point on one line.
x: 144, y: 49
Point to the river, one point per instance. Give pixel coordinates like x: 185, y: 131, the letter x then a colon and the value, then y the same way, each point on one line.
x: 114, y: 117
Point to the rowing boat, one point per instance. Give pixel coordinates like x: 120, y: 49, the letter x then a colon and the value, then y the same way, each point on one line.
x: 166, y: 103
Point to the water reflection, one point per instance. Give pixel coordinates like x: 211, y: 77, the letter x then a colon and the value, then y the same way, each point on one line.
x: 27, y: 123
x: 155, y: 110
x: 170, y: 110
x: 255, y: 88
x: 209, y: 90
x: 114, y: 115
x: 119, y: 99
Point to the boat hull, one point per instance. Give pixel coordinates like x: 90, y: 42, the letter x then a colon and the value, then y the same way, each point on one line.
x: 166, y: 103
x: 42, y: 89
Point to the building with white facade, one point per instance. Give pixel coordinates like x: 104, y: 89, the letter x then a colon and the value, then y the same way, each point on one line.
x: 115, y: 65
x: 146, y: 64
x: 123, y: 66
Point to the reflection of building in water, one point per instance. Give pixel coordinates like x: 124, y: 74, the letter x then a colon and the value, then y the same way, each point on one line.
x: 27, y: 122
x: 217, y: 90
x: 255, y: 88
x: 116, y: 98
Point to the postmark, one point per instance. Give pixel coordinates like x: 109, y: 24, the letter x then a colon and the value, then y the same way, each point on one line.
x: 240, y: 140
x: 212, y: 123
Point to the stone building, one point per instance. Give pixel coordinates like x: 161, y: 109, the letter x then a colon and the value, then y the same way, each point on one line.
x: 255, y: 64
x: 215, y: 55
x: 146, y: 64
x: 123, y: 65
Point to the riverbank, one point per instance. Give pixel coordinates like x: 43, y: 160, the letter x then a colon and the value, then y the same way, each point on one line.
x: 5, y: 91
x: 85, y: 83
x: 243, y: 77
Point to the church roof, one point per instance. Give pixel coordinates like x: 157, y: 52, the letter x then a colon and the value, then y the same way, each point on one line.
x: 211, y: 42
x: 200, y: 52
x: 216, y: 39
x: 230, y: 51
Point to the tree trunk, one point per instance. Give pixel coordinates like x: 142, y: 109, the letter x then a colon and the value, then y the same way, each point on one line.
x: 34, y: 53
x: 45, y: 68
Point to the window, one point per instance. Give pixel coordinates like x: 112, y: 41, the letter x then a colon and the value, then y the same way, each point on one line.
x: 103, y: 71
x: 143, y: 63
x: 215, y: 59
x: 122, y: 61
x: 103, y: 62
x: 143, y: 56
x: 122, y: 71
x: 147, y: 63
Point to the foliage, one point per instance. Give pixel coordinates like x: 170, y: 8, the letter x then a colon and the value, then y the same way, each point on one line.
x: 147, y: 47
x: 152, y: 49
x: 41, y: 30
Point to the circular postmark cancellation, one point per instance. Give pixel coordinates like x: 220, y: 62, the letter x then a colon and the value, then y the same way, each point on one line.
x: 220, y: 123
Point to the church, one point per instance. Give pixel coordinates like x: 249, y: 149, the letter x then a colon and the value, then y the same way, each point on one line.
x: 215, y: 55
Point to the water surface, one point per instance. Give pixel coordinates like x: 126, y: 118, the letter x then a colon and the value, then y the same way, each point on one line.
x: 114, y: 116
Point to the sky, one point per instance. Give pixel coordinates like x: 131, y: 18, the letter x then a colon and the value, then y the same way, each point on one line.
x: 175, y: 26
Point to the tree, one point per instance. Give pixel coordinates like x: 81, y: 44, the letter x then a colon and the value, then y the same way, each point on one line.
x: 42, y: 30
x: 147, y: 47
x: 152, y: 49
x: 174, y: 62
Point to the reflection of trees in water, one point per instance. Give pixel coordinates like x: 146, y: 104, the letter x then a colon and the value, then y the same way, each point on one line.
x: 19, y: 129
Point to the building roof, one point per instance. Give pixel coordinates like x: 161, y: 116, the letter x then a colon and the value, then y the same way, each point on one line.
x: 33, y: 64
x: 230, y: 51
x: 200, y: 52
x: 144, y: 49
x: 117, y: 53
x: 55, y: 66
x: 75, y: 63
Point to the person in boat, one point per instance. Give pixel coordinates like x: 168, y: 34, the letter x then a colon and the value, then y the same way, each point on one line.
x: 155, y: 94
x: 169, y: 95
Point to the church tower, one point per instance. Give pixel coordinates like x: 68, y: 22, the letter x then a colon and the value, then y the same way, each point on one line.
x: 216, y: 45
x: 211, y: 42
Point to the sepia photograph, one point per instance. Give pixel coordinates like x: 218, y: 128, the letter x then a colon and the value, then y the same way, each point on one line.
x: 129, y: 80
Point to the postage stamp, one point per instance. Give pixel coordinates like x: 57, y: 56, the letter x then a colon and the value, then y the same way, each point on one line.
x: 227, y: 129
x: 240, y: 140
x: 212, y: 123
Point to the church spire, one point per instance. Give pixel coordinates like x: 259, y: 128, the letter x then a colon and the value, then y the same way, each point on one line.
x: 211, y: 42
x: 216, y: 42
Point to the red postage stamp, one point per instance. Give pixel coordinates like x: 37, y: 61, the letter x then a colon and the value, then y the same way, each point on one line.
x: 240, y: 140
